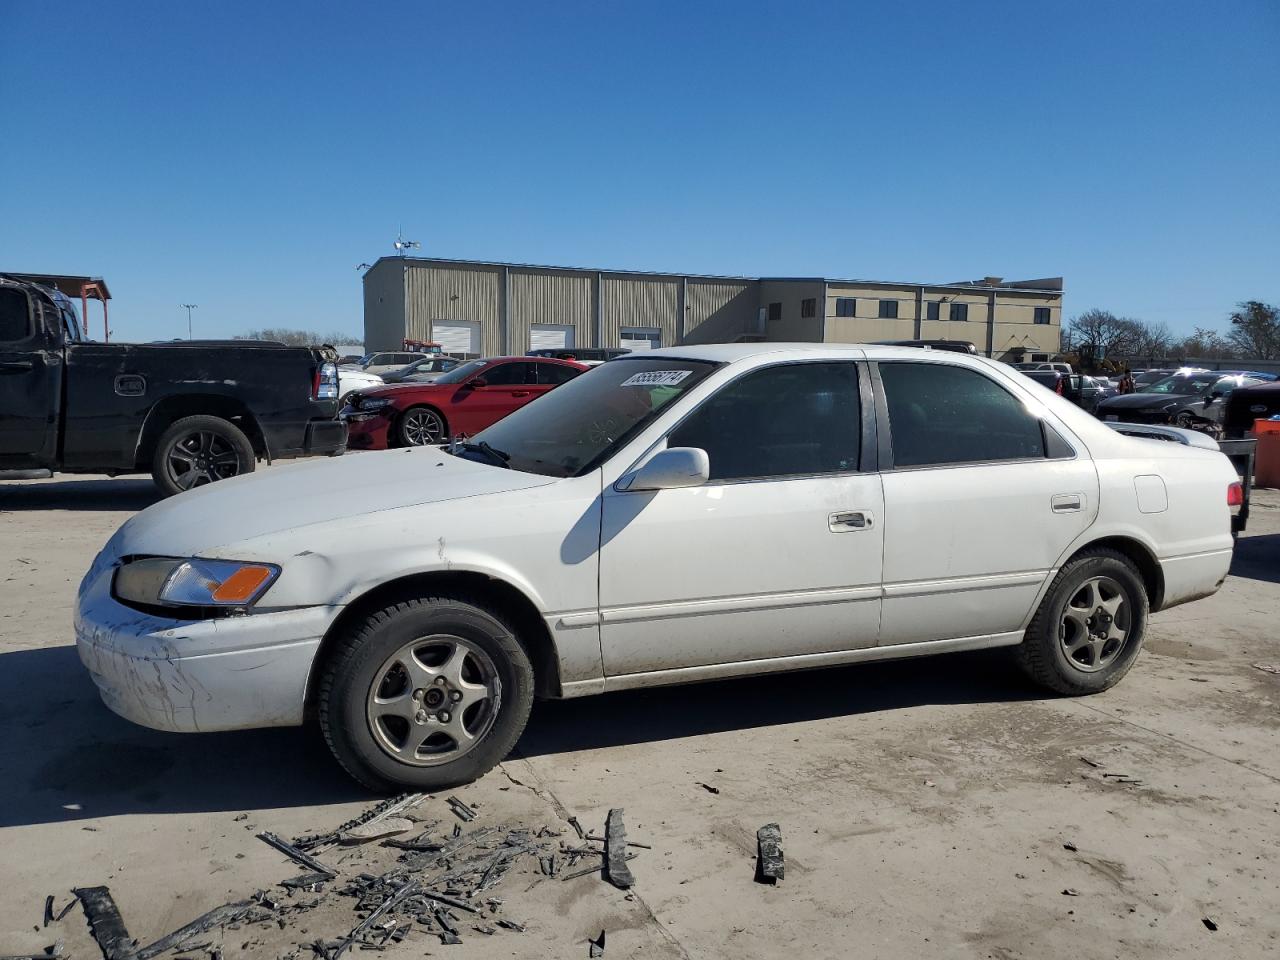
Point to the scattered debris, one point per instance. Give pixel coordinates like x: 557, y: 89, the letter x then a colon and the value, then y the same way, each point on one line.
x: 1120, y: 778
x: 228, y: 915
x: 306, y: 881
x: 388, y: 808
x: 708, y: 787
x: 573, y: 822
x: 616, y: 870
x: 376, y: 830
x: 1268, y: 667
x: 106, y: 924
x: 1209, y: 923
x: 597, y: 946
x: 770, y: 866
x: 1092, y: 763
x: 48, y: 910
x: 512, y: 925
x: 463, y: 812
x: 293, y: 853
x: 237, y: 819
x: 67, y: 909
x: 630, y: 843
x: 1071, y: 846
x: 1070, y: 892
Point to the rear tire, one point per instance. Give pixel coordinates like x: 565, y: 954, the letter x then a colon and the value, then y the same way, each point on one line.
x: 1089, y: 627
x: 196, y: 451
x: 424, y: 694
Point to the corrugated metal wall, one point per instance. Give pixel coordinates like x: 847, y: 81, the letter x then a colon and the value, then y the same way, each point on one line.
x: 455, y: 293
x: 720, y: 312
x: 639, y: 302
x: 562, y: 298
x: 384, y: 306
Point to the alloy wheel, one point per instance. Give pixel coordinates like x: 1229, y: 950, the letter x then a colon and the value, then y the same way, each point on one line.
x: 1095, y: 624
x: 433, y: 700
x: 423, y: 428
x: 202, y: 457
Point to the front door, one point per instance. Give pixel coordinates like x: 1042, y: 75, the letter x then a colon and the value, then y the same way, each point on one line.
x: 30, y: 380
x: 506, y: 387
x: 778, y: 555
x: 982, y: 497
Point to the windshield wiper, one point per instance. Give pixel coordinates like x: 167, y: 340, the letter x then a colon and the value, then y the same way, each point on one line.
x: 499, y: 457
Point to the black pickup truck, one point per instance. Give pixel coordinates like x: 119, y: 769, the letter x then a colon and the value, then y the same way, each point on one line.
x: 187, y: 412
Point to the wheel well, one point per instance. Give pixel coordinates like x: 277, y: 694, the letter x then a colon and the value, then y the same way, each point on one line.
x: 531, y: 629
x: 171, y: 409
x: 1143, y: 559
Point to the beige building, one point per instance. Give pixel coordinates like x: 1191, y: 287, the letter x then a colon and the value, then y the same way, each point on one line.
x: 492, y: 309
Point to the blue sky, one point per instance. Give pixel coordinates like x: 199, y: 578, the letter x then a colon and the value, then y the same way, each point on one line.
x: 246, y: 156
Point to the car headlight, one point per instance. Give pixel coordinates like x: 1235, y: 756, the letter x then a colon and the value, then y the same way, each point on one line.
x: 165, y: 581
x: 371, y: 403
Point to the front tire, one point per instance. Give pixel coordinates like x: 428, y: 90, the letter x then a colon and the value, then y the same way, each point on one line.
x: 200, y: 450
x: 425, y: 694
x: 1089, y: 627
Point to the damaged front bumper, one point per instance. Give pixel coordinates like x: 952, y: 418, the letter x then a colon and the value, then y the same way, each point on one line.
x: 230, y: 673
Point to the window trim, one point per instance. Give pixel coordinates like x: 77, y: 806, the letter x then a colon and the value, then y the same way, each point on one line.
x: 884, y: 426
x: 867, y: 452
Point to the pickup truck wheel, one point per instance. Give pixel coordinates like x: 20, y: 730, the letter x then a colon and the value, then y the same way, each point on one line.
x: 421, y: 427
x: 425, y: 694
x: 198, y: 450
x: 1089, y: 628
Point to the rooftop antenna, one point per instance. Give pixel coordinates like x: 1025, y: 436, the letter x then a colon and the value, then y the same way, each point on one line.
x: 402, y: 244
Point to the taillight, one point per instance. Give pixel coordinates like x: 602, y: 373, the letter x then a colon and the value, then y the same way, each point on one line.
x: 325, y: 386
x: 1235, y: 494
x: 1057, y: 387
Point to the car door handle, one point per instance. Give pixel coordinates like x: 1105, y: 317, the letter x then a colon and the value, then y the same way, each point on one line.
x: 1068, y: 503
x: 853, y: 520
x: 15, y: 366
x: 520, y: 393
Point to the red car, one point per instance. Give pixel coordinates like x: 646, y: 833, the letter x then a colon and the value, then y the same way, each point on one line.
x: 463, y: 402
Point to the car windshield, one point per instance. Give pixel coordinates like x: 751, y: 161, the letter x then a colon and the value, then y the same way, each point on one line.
x: 1196, y: 385
x: 572, y: 428
x: 462, y: 373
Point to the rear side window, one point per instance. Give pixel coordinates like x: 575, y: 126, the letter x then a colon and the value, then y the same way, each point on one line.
x: 940, y: 413
x: 554, y: 373
x: 787, y: 420
x: 15, y: 315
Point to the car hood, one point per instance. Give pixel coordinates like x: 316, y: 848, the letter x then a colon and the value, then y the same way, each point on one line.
x: 1137, y: 401
x: 399, y: 389
x: 295, y: 495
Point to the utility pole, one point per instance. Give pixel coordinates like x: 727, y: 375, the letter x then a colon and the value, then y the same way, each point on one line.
x: 190, y: 307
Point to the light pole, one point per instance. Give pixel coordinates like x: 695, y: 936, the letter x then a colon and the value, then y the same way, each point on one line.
x: 190, y: 307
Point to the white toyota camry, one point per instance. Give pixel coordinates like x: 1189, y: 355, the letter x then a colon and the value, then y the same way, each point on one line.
x: 671, y: 516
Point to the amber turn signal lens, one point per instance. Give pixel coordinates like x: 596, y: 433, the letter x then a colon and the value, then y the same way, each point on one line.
x: 242, y: 585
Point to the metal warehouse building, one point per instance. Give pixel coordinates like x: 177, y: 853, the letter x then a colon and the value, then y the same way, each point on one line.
x: 492, y: 309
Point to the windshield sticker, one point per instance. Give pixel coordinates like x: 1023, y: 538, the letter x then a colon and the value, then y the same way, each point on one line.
x: 656, y: 378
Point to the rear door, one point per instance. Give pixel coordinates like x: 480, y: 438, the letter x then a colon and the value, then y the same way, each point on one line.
x: 982, y: 496
x: 30, y: 381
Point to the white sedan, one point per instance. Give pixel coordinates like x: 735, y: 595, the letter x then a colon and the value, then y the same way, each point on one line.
x: 352, y: 380
x: 671, y: 516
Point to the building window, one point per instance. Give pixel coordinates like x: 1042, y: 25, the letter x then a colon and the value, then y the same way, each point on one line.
x: 641, y: 338
x: 1042, y: 314
x: 959, y: 311
x: 775, y: 311
x: 932, y: 310
x: 845, y: 306
x: 809, y: 307
x: 888, y: 309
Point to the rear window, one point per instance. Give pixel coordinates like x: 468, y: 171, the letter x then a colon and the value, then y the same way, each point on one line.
x: 15, y: 315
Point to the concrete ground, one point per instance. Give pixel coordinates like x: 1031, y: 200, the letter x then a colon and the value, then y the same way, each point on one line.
x: 931, y: 808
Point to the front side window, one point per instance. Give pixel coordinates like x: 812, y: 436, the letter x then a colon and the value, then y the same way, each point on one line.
x: 15, y: 315
x: 509, y: 374
x: 462, y: 373
x: 959, y: 311
x: 572, y: 428
x: 846, y: 306
x: 942, y: 413
x: 888, y: 309
x: 787, y: 420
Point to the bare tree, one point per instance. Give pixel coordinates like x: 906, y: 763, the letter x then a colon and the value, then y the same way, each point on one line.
x: 1097, y: 334
x: 299, y: 338
x: 1205, y: 344
x: 1152, y: 338
x: 1255, y: 330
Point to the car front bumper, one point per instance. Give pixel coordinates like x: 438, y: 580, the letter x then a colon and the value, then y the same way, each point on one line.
x: 231, y: 673
x: 367, y: 431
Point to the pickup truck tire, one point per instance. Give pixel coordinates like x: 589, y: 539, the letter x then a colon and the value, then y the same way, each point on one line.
x: 1089, y: 627
x: 426, y: 693
x: 198, y: 450
x: 422, y: 426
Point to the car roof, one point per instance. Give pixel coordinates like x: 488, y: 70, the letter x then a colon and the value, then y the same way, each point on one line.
x: 734, y: 352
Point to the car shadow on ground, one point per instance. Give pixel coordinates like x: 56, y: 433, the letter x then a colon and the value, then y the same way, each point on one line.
x: 60, y: 494
x: 67, y: 758
x: 1257, y: 558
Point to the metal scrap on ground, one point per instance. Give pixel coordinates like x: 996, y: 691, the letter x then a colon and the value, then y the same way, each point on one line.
x: 465, y: 813
x: 293, y: 853
x: 615, y: 851
x: 770, y: 867
x: 597, y: 946
x: 106, y: 924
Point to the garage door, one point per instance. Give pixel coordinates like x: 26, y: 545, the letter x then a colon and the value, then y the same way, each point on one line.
x: 641, y: 338
x: 550, y: 336
x: 461, y: 338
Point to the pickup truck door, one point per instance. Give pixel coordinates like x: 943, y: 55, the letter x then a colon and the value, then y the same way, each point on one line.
x: 30, y: 381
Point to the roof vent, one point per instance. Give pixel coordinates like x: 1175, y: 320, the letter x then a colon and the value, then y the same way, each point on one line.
x: 992, y: 281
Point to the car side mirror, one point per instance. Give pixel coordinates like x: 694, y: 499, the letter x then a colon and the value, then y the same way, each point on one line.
x: 1215, y: 395
x: 670, y: 469
x: 477, y: 382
